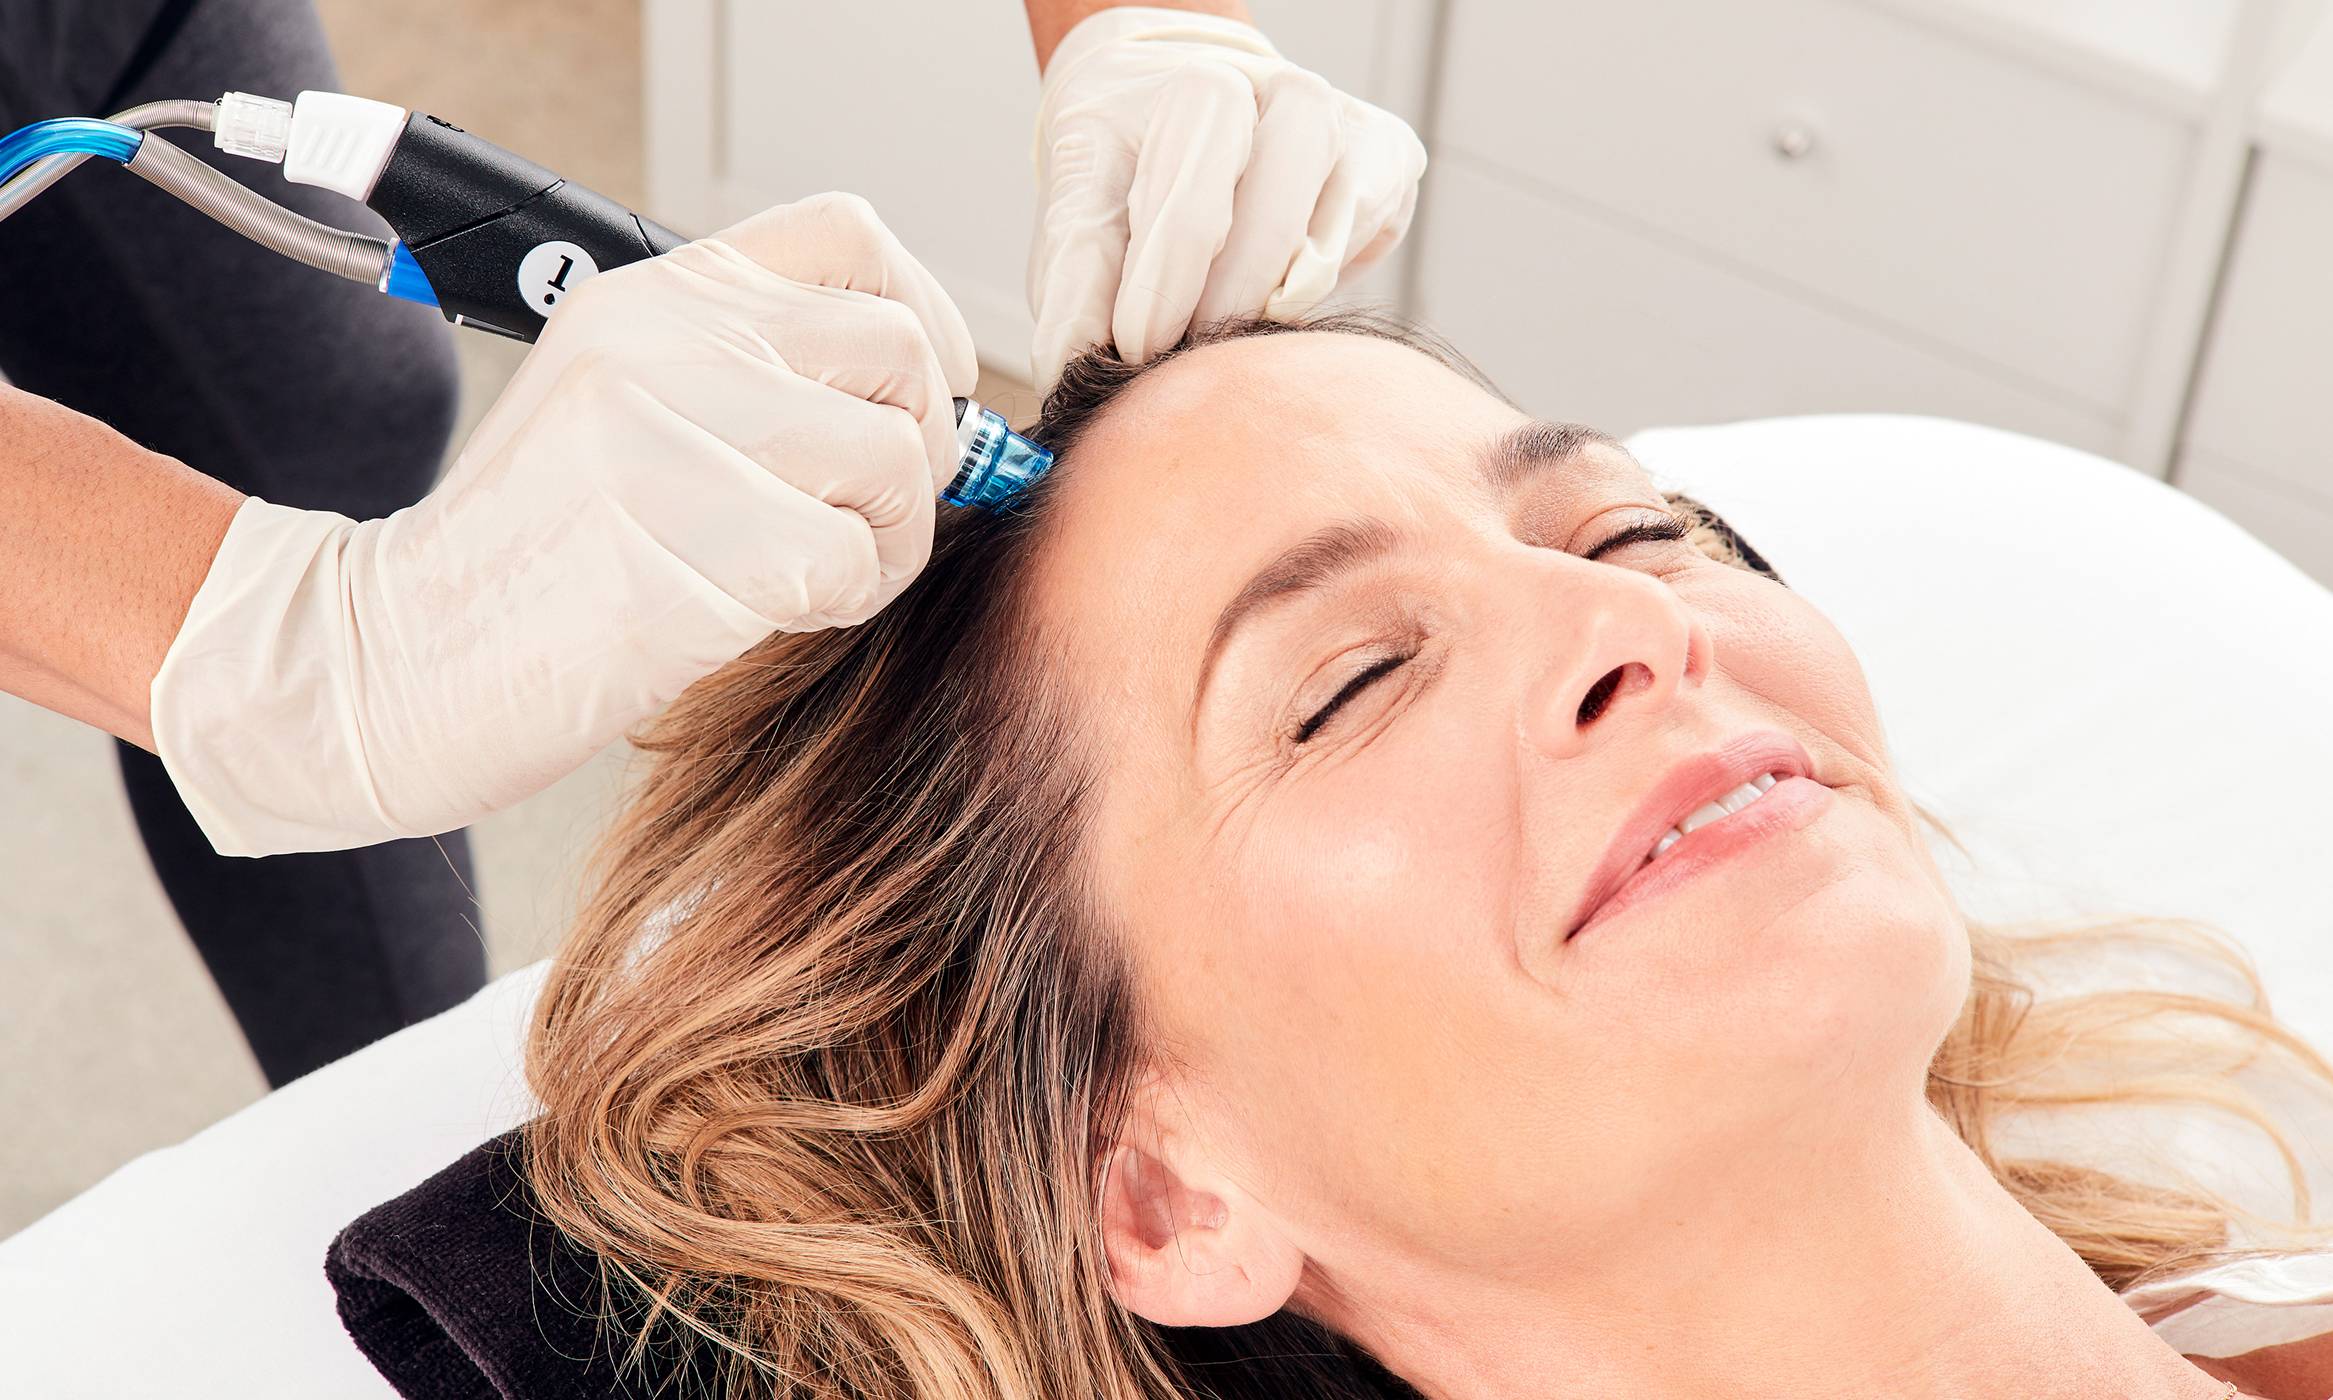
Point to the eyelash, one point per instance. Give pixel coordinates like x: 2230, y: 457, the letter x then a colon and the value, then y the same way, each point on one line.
x: 1668, y: 528
x: 1347, y: 691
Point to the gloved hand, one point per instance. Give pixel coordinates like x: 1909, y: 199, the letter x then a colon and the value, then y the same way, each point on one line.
x: 746, y: 434
x: 1186, y: 171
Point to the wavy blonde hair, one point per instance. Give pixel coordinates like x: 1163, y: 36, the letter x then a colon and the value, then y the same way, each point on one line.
x: 826, y: 1066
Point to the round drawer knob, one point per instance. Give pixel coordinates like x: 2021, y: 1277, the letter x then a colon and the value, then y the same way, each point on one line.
x: 1794, y: 140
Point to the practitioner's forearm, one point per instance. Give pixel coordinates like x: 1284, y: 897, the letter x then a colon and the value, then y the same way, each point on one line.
x: 102, y: 547
x: 58, y: 695
x: 1050, y: 19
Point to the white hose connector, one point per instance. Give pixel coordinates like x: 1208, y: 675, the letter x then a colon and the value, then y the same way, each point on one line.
x: 253, y: 126
x: 341, y: 143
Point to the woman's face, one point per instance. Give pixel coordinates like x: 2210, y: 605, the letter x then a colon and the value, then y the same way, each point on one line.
x: 1395, y: 692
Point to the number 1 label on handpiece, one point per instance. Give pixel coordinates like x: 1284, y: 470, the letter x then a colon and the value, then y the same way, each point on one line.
x: 550, y: 271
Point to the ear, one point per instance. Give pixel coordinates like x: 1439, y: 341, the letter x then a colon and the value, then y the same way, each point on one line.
x: 1187, y: 1248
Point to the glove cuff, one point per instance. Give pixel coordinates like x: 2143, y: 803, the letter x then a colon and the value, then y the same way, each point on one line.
x: 1133, y: 23
x: 249, y: 701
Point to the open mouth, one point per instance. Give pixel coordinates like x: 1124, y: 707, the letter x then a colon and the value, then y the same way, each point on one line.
x: 1702, y: 811
x: 1708, y: 812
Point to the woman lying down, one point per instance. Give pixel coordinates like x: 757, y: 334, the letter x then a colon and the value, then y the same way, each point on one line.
x: 1349, y: 893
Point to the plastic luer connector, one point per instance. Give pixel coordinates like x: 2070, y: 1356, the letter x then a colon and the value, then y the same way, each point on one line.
x: 258, y: 128
x: 997, y: 463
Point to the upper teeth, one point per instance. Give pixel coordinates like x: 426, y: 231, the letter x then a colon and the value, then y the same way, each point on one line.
x: 1708, y: 812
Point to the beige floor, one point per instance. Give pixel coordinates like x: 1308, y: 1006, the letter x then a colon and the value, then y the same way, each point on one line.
x: 113, y: 1039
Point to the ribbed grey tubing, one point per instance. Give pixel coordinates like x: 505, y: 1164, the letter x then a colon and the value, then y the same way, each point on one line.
x: 150, y: 116
x: 296, y: 236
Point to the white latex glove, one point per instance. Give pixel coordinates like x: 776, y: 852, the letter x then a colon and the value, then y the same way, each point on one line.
x: 747, y: 434
x: 1186, y: 171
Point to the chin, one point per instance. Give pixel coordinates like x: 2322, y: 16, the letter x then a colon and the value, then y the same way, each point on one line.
x: 1839, y: 1000
x: 1886, y: 968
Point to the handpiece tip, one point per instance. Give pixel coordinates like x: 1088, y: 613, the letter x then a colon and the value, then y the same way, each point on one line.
x: 996, y: 464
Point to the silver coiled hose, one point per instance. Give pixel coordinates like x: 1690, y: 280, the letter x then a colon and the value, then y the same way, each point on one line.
x: 151, y: 116
x: 296, y: 236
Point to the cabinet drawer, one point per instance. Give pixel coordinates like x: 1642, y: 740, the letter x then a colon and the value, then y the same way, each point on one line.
x: 2262, y: 395
x: 1580, y: 318
x: 1854, y: 153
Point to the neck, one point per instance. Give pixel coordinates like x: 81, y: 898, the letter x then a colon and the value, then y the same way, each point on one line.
x: 1877, y: 1262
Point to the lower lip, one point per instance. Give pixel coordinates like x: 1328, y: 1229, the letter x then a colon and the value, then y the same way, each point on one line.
x: 1788, y: 805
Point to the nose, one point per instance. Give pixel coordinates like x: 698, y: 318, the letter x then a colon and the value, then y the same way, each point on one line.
x: 1616, y: 643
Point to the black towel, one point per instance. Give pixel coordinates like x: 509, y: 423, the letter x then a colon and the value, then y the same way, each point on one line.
x: 460, y: 1289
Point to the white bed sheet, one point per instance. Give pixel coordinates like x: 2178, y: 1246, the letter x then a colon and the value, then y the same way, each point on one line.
x: 2116, y: 698
x: 197, y: 1272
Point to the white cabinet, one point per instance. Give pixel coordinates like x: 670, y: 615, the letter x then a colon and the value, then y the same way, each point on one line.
x: 2259, y: 438
x: 1579, y: 316
x: 2264, y: 397
x: 1906, y: 179
x: 2006, y: 210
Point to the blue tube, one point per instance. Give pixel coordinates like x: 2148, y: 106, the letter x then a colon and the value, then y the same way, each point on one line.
x: 65, y: 136
x: 405, y: 277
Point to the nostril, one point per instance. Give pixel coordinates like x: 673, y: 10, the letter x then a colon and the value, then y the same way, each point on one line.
x: 1599, y: 696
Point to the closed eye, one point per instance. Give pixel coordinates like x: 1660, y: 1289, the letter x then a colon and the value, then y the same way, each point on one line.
x: 1376, y: 671
x: 1667, y: 527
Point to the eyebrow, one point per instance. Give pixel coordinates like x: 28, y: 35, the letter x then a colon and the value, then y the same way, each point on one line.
x: 1322, y: 557
x: 1312, y: 564
x: 1515, y: 454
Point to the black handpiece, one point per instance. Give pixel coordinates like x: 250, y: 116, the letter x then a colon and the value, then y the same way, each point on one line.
x: 500, y: 238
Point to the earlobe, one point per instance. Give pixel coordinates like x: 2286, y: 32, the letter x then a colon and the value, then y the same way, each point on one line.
x: 1186, y: 1250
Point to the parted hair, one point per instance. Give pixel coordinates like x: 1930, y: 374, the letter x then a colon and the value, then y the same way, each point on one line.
x: 829, y: 1062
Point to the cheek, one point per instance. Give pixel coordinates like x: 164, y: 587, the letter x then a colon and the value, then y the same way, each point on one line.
x: 1765, y: 631
x: 1396, y: 855
x: 1376, y: 870
x: 1339, y: 966
x: 1781, y: 649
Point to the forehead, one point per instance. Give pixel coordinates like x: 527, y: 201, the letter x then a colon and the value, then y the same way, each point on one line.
x: 1247, y: 420
x: 1222, y: 456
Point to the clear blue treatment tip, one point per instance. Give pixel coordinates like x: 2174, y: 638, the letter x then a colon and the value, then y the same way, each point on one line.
x: 997, y: 463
